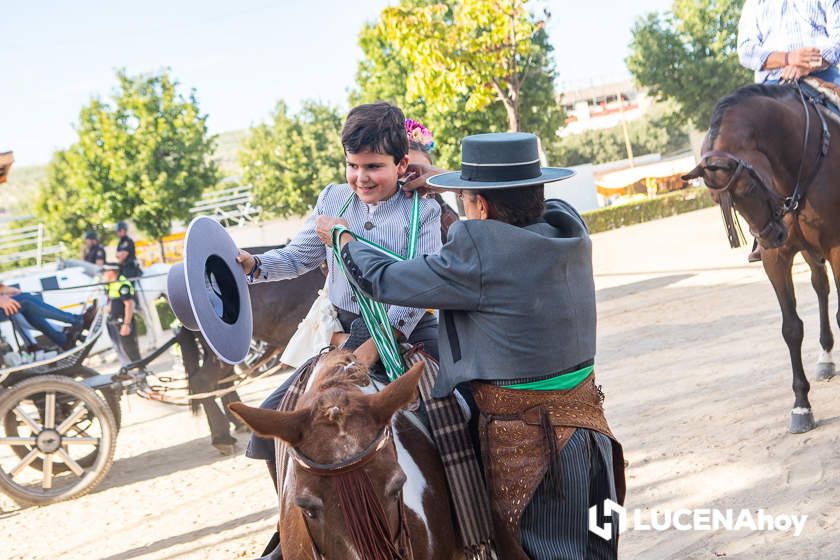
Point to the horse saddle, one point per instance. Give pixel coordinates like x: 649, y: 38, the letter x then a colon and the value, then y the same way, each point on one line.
x: 827, y: 93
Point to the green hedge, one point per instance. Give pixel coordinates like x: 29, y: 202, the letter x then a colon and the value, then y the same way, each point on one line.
x: 671, y: 204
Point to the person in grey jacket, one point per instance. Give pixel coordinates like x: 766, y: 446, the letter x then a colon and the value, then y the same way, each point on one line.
x: 516, y: 297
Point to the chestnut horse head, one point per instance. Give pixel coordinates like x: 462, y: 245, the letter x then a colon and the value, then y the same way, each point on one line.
x: 345, y: 482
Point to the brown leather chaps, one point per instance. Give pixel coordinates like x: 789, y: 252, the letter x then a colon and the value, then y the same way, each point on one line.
x: 521, y: 433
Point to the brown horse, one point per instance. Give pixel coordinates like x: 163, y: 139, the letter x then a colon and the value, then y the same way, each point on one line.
x: 768, y: 155
x: 364, y: 481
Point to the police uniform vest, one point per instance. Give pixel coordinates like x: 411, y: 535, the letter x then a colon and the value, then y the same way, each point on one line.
x: 118, y: 292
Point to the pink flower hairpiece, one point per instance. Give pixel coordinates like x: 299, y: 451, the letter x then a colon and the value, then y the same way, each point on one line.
x: 420, y: 134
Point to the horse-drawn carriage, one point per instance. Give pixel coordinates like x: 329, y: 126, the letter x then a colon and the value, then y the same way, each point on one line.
x: 59, y: 424
x: 59, y: 418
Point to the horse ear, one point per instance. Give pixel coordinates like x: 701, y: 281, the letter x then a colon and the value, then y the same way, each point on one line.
x: 396, y: 395
x: 288, y: 426
x: 693, y: 174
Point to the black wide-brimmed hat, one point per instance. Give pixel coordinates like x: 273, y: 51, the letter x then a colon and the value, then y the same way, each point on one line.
x: 502, y: 160
x: 208, y: 292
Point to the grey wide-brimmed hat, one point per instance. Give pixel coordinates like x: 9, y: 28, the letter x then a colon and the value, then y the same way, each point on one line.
x: 501, y: 160
x: 208, y: 292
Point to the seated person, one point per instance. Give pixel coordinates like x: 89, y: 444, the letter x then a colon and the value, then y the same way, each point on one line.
x: 24, y: 330
x: 36, y: 313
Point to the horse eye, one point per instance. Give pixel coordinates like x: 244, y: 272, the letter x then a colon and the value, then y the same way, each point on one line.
x: 396, y: 485
x: 311, y: 508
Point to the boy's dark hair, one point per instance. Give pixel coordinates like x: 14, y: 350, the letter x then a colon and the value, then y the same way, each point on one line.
x: 519, y: 207
x: 378, y: 127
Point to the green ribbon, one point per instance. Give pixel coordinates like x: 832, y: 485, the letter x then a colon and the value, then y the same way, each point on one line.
x: 373, y: 312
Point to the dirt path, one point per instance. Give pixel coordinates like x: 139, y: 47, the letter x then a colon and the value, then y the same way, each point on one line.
x: 698, y: 389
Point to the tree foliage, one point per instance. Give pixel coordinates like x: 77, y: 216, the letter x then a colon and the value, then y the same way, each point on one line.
x: 689, y: 55
x: 143, y: 156
x: 392, y: 69
x: 658, y: 132
x: 289, y: 160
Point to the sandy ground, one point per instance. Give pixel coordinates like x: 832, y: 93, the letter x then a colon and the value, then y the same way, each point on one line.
x: 698, y: 389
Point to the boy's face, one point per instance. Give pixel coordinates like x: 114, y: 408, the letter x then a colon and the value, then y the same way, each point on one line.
x: 110, y: 275
x: 373, y: 176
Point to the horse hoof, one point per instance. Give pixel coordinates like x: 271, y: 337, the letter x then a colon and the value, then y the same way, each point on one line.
x: 225, y: 448
x: 825, y: 371
x: 801, y: 421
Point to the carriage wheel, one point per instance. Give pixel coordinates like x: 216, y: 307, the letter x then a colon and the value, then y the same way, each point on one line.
x: 66, y: 422
x: 17, y: 427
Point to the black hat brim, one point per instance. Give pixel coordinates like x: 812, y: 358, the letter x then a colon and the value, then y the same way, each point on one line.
x: 453, y: 181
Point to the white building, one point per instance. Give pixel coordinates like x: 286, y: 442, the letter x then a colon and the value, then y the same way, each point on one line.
x: 602, y: 106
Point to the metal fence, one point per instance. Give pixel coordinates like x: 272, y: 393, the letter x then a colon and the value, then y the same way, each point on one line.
x: 28, y: 244
x: 232, y: 207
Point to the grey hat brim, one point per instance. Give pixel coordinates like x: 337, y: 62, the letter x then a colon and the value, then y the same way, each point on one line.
x: 453, y: 181
x: 208, y: 244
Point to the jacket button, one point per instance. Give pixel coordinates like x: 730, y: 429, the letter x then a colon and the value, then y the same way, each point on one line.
x: 401, y: 323
x: 353, y: 298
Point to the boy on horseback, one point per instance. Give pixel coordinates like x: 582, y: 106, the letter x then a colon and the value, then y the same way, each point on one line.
x: 514, y: 286
x: 371, y: 204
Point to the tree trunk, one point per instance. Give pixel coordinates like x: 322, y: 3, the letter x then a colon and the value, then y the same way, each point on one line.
x: 162, y: 251
x: 512, y: 109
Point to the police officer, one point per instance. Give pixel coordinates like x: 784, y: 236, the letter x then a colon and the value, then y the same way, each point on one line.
x: 121, y: 327
x: 94, y: 252
x: 126, y: 256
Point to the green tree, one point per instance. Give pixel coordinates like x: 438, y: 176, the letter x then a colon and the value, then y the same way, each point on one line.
x: 689, y: 55
x: 60, y: 203
x: 480, y: 50
x: 291, y: 159
x: 145, y: 156
x: 386, y: 70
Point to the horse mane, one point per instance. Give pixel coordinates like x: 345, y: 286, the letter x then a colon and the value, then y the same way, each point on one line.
x: 742, y: 95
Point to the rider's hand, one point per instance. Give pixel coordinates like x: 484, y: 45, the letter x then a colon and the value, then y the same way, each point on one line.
x: 367, y: 354
x: 125, y: 329
x: 806, y: 57
x: 417, y: 174
x: 792, y: 73
x: 324, y: 225
x: 246, y: 260
x: 9, y: 305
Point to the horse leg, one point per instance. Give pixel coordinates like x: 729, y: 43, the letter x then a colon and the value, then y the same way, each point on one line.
x: 819, y: 280
x: 835, y: 269
x: 777, y: 265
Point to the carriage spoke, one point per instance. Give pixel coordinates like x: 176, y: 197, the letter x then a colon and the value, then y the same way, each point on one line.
x: 33, y: 425
x: 70, y: 462
x: 25, y: 462
x: 17, y: 440
x: 74, y: 417
x: 46, y: 483
x: 49, y: 410
x: 79, y: 440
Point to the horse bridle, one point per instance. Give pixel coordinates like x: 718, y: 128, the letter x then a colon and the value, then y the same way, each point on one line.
x: 785, y: 204
x: 777, y: 211
x: 346, y: 467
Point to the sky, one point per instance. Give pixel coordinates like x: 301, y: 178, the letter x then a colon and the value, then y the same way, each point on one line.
x: 241, y: 57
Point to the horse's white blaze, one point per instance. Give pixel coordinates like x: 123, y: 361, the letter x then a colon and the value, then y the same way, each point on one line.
x: 801, y: 410
x: 825, y: 358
